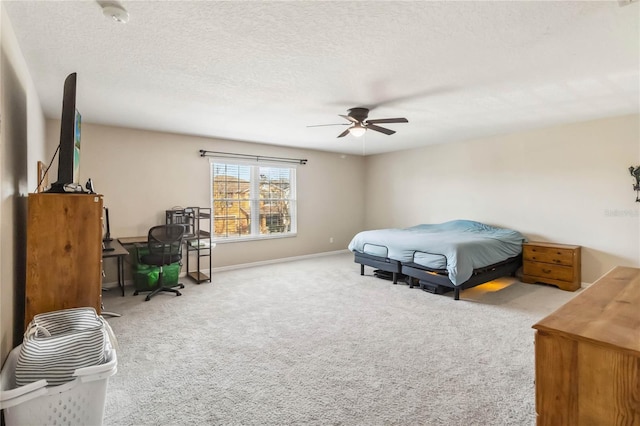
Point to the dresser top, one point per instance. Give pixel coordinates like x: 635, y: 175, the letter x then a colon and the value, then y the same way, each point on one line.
x: 607, y: 312
x: 550, y: 245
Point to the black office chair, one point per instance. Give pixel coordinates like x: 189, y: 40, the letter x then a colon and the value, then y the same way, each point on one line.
x: 165, y: 247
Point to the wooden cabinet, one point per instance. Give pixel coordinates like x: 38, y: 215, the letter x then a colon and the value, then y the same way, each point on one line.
x: 588, y: 355
x: 550, y: 263
x: 64, y: 252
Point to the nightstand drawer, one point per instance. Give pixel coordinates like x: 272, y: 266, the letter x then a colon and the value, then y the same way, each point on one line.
x: 556, y: 256
x: 545, y: 270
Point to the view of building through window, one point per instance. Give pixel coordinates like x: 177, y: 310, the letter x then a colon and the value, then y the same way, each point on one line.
x: 252, y: 200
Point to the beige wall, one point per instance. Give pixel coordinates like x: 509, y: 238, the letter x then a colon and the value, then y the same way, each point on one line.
x: 143, y: 173
x: 566, y: 184
x: 21, y: 146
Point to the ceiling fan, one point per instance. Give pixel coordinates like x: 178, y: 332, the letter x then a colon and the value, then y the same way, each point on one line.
x: 357, y: 118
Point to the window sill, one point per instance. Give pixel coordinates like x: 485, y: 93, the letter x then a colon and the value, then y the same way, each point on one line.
x: 252, y: 238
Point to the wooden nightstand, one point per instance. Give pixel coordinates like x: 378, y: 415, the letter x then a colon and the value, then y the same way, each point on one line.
x: 550, y: 263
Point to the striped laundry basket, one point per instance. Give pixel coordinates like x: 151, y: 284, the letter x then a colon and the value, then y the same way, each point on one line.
x: 59, y: 374
x: 58, y: 343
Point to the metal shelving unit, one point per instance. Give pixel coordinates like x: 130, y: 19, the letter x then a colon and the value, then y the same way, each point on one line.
x: 198, y: 238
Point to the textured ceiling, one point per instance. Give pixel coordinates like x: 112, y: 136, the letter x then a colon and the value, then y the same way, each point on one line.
x: 264, y: 71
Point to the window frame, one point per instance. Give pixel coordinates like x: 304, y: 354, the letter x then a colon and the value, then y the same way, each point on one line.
x: 254, y: 184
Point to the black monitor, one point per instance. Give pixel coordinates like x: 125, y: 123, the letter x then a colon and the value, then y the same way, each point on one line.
x: 69, y: 148
x: 107, y: 228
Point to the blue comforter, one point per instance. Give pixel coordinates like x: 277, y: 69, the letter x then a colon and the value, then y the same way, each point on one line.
x: 465, y: 244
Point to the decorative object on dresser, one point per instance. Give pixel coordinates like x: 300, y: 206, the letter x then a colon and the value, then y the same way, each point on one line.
x: 635, y: 172
x: 588, y: 355
x: 64, y: 252
x: 551, y: 263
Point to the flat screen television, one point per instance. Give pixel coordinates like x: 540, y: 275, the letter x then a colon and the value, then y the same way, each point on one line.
x: 69, y: 148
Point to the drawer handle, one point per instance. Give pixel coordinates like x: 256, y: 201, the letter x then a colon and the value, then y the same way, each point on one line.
x: 556, y: 260
x: 546, y: 271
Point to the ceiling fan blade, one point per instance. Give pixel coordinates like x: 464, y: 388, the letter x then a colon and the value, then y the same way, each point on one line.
x: 351, y: 119
x: 436, y: 91
x: 379, y: 129
x: 337, y: 124
x: 388, y: 120
x: 343, y: 134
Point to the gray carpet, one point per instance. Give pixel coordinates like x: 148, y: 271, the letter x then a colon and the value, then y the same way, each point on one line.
x: 311, y: 342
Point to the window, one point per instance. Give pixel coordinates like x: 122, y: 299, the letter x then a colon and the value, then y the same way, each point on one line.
x: 252, y: 201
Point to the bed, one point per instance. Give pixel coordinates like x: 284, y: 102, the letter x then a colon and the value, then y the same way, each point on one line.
x: 456, y: 255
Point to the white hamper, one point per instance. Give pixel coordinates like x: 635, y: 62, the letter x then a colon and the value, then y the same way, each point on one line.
x: 78, y: 402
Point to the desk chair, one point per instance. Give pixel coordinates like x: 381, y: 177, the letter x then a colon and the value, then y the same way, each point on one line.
x: 165, y: 247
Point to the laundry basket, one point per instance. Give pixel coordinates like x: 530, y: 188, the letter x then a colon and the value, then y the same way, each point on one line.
x: 78, y: 402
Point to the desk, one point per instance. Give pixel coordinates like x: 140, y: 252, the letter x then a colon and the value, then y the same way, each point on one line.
x: 193, y: 245
x: 120, y: 252
x: 133, y: 240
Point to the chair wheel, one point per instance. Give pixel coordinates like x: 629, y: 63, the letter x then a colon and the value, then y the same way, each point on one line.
x: 178, y: 294
x: 135, y: 293
x: 146, y: 299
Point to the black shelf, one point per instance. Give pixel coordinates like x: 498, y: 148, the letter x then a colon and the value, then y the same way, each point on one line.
x: 198, y: 238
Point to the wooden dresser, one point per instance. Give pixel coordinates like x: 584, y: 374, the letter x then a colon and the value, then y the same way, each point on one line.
x: 64, y: 252
x: 550, y: 263
x: 588, y: 355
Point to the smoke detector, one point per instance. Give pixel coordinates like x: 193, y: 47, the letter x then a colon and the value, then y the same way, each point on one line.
x: 116, y: 12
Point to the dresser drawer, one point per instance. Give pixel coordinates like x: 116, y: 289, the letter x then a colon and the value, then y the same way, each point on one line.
x: 556, y: 256
x: 545, y: 270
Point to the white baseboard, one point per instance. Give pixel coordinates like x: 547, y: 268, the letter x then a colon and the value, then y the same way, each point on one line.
x: 281, y: 260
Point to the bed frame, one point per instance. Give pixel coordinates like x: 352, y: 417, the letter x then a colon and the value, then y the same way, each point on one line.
x: 439, y: 277
x: 384, y: 263
x: 437, y: 280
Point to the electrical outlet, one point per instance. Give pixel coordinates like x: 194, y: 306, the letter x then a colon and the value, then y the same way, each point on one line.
x: 330, y: 240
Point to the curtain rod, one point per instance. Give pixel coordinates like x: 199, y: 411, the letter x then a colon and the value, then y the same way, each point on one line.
x: 205, y: 153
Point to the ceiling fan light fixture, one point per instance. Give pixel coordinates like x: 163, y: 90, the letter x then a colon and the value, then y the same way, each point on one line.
x: 116, y: 12
x: 357, y: 130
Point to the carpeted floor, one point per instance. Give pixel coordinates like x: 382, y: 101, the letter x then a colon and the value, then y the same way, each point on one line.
x: 311, y: 342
